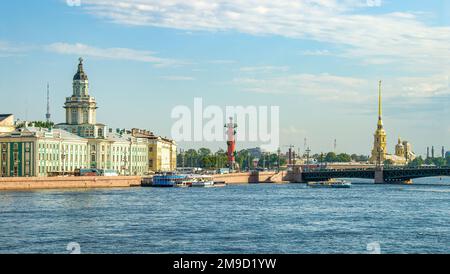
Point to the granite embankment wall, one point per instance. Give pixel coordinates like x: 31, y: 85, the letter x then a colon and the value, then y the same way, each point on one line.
x: 246, y: 177
x: 68, y: 182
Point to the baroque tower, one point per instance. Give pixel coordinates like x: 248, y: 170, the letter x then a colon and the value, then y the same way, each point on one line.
x: 81, y: 108
x: 379, y: 144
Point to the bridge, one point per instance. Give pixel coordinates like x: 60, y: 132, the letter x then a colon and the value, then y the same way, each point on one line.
x: 380, y: 175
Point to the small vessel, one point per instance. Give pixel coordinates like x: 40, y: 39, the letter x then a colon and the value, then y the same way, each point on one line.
x: 330, y: 184
x: 184, y: 183
x: 202, y: 181
x: 220, y: 184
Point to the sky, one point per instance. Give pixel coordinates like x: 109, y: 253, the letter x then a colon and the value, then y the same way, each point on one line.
x: 318, y: 60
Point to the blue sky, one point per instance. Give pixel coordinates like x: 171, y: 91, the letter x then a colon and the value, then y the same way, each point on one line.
x: 318, y: 60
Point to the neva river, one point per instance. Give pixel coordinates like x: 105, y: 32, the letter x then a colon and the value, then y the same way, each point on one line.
x: 263, y: 218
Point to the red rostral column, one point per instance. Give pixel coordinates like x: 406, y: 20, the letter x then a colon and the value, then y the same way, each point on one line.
x: 231, y: 143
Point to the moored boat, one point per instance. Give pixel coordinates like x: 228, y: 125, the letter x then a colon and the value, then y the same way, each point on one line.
x: 168, y: 180
x: 203, y: 181
x: 330, y: 184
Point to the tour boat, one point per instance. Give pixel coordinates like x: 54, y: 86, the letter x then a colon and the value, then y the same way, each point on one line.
x: 330, y: 184
x: 168, y: 180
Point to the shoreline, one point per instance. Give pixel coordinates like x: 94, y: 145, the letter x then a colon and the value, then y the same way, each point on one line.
x: 85, y: 182
x: 36, y: 183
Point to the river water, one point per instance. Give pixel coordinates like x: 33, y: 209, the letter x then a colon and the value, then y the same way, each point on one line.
x: 264, y: 218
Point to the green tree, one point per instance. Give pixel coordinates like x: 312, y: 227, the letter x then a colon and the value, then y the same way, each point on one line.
x: 343, y: 158
x: 330, y: 157
x: 439, y: 162
x: 416, y: 162
x: 204, y: 151
x: 388, y: 163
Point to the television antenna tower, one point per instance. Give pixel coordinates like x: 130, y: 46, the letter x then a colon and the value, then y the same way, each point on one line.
x: 47, y: 115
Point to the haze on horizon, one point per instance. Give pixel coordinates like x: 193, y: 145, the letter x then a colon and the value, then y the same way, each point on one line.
x: 320, y: 61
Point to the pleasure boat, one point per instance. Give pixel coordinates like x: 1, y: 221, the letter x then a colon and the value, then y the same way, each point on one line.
x: 203, y: 181
x: 330, y: 184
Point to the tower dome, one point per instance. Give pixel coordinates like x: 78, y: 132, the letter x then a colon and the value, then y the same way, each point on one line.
x: 80, y: 75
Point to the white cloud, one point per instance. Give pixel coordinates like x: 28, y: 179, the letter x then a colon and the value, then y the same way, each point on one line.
x: 348, y: 89
x: 177, y: 78
x: 316, y: 52
x: 395, y: 36
x: 8, y: 49
x: 221, y: 62
x: 111, y: 53
x: 264, y: 69
x: 321, y: 86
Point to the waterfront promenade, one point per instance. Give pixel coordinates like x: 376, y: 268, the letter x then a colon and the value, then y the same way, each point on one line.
x: 22, y: 183
x: 30, y: 183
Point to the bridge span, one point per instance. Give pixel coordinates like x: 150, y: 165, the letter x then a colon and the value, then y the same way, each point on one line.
x: 379, y: 175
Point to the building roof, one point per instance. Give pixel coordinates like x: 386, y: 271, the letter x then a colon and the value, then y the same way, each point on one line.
x: 116, y: 137
x: 80, y: 75
x: 41, y: 132
x: 4, y: 116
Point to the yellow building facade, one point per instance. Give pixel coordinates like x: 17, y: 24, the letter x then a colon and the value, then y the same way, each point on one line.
x: 162, y: 152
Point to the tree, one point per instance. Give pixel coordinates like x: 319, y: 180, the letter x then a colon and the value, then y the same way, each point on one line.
x: 439, y: 161
x: 416, y: 162
x: 41, y: 124
x: 388, y: 162
x: 330, y: 157
x: 343, y: 158
x: 204, y: 151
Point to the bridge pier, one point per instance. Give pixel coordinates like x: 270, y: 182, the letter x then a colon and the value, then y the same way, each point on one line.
x: 379, y: 176
x: 296, y: 175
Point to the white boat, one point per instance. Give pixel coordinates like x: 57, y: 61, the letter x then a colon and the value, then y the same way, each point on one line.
x: 331, y: 184
x: 202, y: 181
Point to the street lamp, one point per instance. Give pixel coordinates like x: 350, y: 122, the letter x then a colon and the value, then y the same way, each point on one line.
x: 307, y: 157
x: 63, y: 158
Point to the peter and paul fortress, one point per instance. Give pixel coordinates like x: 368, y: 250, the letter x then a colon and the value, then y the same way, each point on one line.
x: 403, y: 149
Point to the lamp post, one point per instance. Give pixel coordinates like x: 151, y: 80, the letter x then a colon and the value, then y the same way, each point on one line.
x: 278, y: 162
x: 63, y: 158
x: 307, y: 157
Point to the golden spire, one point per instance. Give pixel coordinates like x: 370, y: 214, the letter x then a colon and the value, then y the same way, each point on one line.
x: 380, y: 109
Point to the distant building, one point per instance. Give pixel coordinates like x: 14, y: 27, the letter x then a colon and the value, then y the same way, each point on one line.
x: 80, y: 142
x: 447, y: 154
x: 39, y: 152
x: 6, y: 123
x: 403, y: 150
x: 162, y: 152
x: 119, y: 151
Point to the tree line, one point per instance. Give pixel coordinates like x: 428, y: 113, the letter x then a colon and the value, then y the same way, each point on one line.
x: 437, y: 161
x: 205, y: 158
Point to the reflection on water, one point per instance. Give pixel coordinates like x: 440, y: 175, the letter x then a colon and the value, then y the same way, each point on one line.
x: 289, y: 218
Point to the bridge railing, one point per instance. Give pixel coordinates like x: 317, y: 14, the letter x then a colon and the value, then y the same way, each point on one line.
x: 372, y: 169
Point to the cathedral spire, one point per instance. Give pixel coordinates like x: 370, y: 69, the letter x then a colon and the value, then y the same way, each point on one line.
x: 380, y: 108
